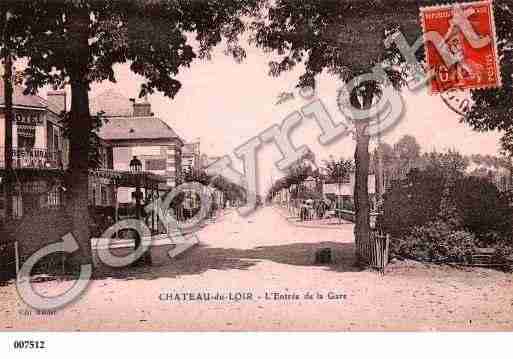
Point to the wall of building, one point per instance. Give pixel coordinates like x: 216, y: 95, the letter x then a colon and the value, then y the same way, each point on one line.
x: 347, y: 189
x: 41, y: 134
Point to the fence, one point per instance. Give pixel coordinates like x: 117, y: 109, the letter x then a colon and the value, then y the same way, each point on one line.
x: 374, y: 251
x: 9, y: 261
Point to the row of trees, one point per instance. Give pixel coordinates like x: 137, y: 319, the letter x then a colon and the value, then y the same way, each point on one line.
x: 230, y: 190
x: 333, y: 171
x: 406, y: 154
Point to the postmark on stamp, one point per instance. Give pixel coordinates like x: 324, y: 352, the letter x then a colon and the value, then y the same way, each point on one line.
x: 468, y: 32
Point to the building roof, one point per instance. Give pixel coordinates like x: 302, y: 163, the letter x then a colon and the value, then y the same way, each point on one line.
x: 121, y: 125
x: 136, y: 128
x: 21, y: 100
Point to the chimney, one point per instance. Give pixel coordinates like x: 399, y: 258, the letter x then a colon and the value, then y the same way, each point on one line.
x: 142, y: 109
x: 56, y: 101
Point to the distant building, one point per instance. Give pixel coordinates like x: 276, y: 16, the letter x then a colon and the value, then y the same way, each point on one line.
x: 344, y: 192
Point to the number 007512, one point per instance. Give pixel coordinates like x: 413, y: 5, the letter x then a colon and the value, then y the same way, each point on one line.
x: 29, y: 344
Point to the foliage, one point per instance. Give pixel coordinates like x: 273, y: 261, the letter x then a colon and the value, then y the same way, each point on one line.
x: 230, y: 190
x: 303, y: 192
x: 435, y: 216
x: 151, y: 35
x: 483, y: 208
x: 412, y: 202
x: 407, y: 150
x: 338, y: 171
x: 95, y: 156
x: 435, y: 241
x: 447, y: 164
x: 492, y: 108
x: 441, y: 191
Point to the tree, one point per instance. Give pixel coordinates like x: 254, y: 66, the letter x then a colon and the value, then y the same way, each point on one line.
x: 338, y: 171
x: 77, y: 42
x: 448, y: 164
x: 407, y: 150
x: 383, y: 162
x: 492, y: 109
x: 344, y: 38
x: 8, y: 104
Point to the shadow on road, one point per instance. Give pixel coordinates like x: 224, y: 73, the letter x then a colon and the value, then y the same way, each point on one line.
x: 203, y: 258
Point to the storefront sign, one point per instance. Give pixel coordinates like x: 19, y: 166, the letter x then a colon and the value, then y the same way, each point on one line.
x: 27, y: 131
x: 30, y: 118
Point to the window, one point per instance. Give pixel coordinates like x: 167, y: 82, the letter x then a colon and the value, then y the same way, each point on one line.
x: 52, y: 199
x: 17, y: 206
x: 26, y: 136
x: 94, y: 195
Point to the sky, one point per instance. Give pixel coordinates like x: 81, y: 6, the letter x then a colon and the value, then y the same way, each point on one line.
x: 224, y: 104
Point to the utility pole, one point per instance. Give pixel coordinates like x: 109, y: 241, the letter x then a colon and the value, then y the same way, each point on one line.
x: 8, y: 116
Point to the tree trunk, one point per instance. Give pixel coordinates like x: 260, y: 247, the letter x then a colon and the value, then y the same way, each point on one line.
x: 78, y: 200
x: 8, y: 115
x: 80, y: 128
x: 361, y: 191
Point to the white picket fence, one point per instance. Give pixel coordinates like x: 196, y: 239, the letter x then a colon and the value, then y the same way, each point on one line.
x: 375, y: 250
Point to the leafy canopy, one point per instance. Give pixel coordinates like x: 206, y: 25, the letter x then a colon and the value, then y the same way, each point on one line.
x: 492, y: 108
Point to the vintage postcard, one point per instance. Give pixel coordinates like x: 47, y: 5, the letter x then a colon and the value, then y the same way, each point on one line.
x: 254, y: 165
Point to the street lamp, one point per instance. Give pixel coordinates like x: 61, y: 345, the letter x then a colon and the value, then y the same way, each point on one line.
x: 136, y: 168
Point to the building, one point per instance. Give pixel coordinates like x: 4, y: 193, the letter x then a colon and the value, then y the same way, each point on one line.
x: 40, y: 151
x: 343, y: 193
x: 40, y: 159
x: 137, y: 132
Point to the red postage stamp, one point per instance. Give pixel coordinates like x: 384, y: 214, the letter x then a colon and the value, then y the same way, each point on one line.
x: 461, y: 46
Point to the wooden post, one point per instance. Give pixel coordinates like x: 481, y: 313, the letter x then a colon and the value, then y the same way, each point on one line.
x: 154, y: 210
x: 116, y: 202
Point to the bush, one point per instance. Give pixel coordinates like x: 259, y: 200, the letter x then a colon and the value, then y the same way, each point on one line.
x: 412, y: 202
x: 434, y: 241
x: 479, y: 206
x: 483, y: 209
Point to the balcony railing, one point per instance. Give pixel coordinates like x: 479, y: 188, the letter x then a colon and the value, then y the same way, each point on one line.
x: 35, y: 158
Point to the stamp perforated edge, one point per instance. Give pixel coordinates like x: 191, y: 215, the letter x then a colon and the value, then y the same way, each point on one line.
x: 495, y: 50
